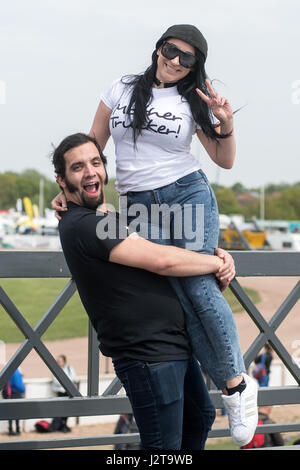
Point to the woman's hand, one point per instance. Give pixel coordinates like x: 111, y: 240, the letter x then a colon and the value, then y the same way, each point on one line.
x: 219, y: 106
x: 227, y: 272
x: 59, y: 204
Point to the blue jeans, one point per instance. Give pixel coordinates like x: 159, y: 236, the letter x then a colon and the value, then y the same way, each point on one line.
x: 209, y: 320
x: 170, y: 402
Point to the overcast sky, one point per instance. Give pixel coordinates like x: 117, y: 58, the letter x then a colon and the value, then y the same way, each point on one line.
x: 57, y: 56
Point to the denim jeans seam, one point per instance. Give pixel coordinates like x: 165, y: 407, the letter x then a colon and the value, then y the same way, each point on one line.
x: 225, y: 336
x: 198, y: 176
x: 154, y: 402
x: 208, y: 227
x: 151, y: 365
x: 188, y: 183
x: 219, y: 318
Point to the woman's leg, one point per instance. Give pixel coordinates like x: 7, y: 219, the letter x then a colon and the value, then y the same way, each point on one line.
x: 211, y: 313
x: 210, y: 323
x: 209, y: 320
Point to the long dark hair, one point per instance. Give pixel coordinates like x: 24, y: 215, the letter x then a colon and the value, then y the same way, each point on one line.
x: 142, y: 94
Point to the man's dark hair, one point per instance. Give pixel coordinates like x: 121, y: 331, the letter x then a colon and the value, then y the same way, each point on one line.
x: 70, y: 142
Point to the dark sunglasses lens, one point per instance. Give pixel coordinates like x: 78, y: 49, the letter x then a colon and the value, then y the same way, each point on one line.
x: 187, y: 60
x: 169, y: 51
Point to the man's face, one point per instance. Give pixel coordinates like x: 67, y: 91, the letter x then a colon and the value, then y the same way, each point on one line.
x: 84, y: 176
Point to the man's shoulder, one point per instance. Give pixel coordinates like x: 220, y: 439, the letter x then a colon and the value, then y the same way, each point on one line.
x: 74, y: 221
x: 91, y: 228
x: 81, y: 216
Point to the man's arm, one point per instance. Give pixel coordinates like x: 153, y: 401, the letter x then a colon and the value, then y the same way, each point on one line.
x: 140, y: 253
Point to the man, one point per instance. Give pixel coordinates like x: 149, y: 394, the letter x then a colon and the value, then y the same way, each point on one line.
x: 140, y: 323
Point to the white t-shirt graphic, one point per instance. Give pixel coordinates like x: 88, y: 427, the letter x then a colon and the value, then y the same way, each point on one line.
x: 162, y: 152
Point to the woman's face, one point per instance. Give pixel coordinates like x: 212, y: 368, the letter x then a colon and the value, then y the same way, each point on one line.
x: 170, y: 70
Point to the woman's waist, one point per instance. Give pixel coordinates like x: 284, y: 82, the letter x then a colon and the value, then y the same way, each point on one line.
x: 147, y: 179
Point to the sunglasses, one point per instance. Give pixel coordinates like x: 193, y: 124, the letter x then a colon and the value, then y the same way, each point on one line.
x: 170, y: 51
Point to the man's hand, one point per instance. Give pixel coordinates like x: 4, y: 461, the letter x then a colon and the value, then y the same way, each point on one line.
x: 227, y: 272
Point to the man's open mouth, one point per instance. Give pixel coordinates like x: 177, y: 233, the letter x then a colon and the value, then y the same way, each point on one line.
x: 91, y: 188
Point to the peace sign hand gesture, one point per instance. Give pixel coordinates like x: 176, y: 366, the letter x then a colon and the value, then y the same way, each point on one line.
x: 219, y: 105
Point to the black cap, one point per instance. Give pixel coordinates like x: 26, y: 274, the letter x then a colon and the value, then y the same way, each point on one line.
x: 187, y: 33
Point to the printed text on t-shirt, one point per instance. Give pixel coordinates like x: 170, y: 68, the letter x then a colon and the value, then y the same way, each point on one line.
x: 117, y: 120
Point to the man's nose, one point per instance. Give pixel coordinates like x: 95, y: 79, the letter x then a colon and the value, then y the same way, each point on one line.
x: 89, y: 170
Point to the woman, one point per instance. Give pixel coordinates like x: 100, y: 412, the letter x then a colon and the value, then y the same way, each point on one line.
x: 152, y: 118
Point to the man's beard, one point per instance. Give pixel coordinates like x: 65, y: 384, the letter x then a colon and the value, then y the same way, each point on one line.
x: 89, y: 203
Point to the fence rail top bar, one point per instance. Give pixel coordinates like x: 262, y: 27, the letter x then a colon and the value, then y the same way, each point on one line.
x: 111, y: 405
x: 45, y: 264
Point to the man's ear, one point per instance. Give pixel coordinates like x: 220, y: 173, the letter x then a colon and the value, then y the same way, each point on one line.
x: 61, y: 181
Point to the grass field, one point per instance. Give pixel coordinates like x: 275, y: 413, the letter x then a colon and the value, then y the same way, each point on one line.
x: 33, y: 297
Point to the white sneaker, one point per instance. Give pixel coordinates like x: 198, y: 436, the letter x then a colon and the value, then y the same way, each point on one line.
x: 242, y: 412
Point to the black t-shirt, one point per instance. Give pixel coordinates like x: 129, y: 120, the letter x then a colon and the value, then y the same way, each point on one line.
x: 135, y: 312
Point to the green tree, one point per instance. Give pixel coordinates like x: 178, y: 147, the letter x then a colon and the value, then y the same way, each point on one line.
x: 285, y: 207
x: 238, y: 188
x: 227, y: 201
x: 251, y: 209
x: 8, y: 195
x: 51, y: 189
x: 111, y: 194
x: 27, y: 187
x: 272, y: 188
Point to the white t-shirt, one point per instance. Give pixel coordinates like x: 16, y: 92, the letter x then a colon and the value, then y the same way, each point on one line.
x: 162, y: 153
